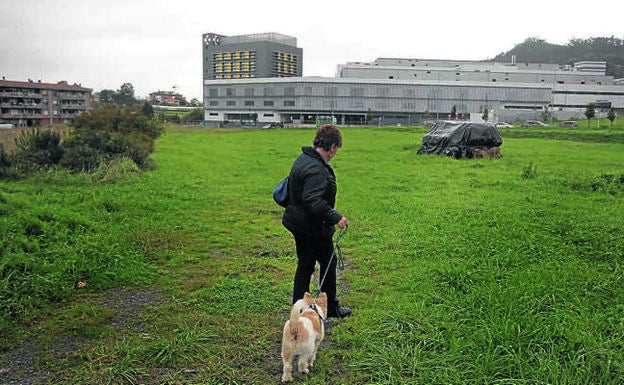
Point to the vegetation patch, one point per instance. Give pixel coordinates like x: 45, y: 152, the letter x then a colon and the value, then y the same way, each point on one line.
x: 610, y: 183
x: 468, y: 271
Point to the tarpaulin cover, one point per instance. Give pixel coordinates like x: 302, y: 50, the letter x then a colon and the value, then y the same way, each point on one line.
x: 459, y: 139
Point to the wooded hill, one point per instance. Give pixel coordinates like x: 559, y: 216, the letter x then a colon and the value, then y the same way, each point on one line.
x: 535, y: 50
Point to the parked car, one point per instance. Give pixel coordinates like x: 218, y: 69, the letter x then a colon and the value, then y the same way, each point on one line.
x: 273, y: 125
x: 503, y: 125
x: 568, y: 123
x: 534, y: 123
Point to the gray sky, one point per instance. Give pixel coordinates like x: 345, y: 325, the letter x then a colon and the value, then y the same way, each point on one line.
x: 156, y: 44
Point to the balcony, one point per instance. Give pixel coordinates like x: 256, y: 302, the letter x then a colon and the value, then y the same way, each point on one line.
x: 71, y: 96
x: 73, y: 106
x: 20, y: 94
x: 22, y: 115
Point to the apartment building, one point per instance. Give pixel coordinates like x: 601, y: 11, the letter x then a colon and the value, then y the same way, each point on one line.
x: 31, y: 103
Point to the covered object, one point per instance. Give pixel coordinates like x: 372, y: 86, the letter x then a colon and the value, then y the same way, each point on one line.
x: 462, y: 139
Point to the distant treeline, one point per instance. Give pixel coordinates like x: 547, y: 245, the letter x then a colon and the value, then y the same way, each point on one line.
x: 535, y: 50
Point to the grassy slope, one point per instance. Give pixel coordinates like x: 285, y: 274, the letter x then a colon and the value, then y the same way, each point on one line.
x: 471, y: 271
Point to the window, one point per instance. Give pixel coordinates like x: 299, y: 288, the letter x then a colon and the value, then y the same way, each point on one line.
x: 268, y: 103
x: 289, y: 91
x: 289, y: 103
x: 214, y: 103
x: 230, y: 103
x: 307, y: 91
x: 268, y: 91
x: 267, y: 115
x: 213, y: 92
x: 249, y: 103
x: 230, y: 92
x: 358, y: 91
x: 331, y: 91
x: 249, y: 92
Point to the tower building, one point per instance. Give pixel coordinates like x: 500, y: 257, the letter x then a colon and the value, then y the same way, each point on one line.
x: 263, y: 55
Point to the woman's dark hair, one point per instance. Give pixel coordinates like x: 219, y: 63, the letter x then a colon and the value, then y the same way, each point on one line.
x: 327, y: 135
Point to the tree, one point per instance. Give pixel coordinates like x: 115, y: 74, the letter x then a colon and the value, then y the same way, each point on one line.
x: 453, y: 112
x: 486, y: 114
x: 590, y: 112
x: 194, y: 116
x: 107, y: 96
x: 195, y: 103
x: 611, y: 116
x: 148, y: 110
x: 125, y: 95
x: 546, y: 114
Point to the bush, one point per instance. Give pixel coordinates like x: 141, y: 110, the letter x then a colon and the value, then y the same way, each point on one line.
x: 108, y: 133
x: 97, y: 137
x: 118, y: 169
x: 80, y: 156
x: 37, y: 150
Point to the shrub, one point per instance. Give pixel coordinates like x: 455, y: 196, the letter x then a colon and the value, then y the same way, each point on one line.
x: 37, y: 150
x: 529, y: 171
x: 118, y: 169
x: 108, y: 133
x: 609, y: 183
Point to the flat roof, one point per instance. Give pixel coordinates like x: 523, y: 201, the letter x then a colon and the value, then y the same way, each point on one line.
x: 40, y: 85
x: 355, y: 81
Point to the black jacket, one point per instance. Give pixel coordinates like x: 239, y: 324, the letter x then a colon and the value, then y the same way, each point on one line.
x: 311, y: 196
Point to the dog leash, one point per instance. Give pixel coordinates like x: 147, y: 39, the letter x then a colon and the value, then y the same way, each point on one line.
x: 337, y: 252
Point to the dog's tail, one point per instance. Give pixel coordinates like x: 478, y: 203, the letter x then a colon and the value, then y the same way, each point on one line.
x: 297, y: 309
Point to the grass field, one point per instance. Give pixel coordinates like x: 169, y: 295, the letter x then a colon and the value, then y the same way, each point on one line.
x: 505, y: 271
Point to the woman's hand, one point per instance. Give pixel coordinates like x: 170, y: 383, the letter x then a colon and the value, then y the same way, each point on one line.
x: 343, y: 223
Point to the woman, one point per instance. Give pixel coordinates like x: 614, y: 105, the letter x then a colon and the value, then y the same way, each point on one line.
x: 310, y: 215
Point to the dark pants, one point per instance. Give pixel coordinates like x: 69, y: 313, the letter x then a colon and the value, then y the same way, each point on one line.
x: 309, y: 251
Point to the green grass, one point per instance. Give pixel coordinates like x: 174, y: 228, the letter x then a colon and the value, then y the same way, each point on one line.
x: 503, y: 271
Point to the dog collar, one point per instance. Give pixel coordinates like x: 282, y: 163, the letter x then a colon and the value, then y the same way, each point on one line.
x: 316, y: 310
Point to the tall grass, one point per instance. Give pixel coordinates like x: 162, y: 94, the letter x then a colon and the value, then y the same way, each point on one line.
x: 503, y: 271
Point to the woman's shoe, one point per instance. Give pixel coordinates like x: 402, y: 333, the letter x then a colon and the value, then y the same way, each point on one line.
x: 339, y: 312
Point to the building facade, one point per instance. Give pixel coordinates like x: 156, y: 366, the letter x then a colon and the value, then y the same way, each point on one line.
x: 167, y: 98
x: 263, y: 55
x: 307, y: 100
x: 581, y: 73
x: 31, y: 103
x: 391, y: 90
x: 573, y: 87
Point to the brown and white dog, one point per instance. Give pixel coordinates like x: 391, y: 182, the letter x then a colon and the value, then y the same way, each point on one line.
x: 303, y: 334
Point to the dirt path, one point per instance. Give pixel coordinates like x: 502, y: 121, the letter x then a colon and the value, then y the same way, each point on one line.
x: 25, y: 363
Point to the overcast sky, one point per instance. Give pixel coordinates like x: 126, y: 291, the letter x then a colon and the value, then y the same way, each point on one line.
x: 156, y: 44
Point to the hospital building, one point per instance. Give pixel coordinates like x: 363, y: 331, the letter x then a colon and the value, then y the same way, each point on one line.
x: 255, y: 80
